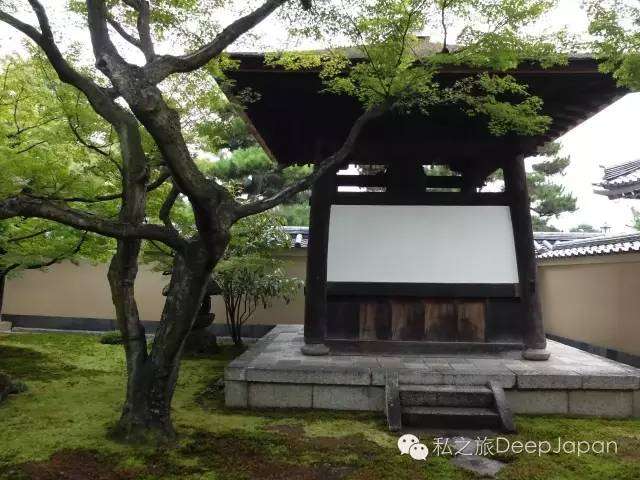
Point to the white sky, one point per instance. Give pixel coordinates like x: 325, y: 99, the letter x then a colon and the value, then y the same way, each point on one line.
x: 608, y: 138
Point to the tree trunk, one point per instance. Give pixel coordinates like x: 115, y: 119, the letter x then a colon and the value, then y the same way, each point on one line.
x: 152, y: 378
x: 3, y: 277
x: 122, y: 274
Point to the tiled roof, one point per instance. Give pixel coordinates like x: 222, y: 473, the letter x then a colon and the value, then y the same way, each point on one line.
x: 299, y: 236
x: 621, y: 180
x: 594, y: 246
x: 544, y: 241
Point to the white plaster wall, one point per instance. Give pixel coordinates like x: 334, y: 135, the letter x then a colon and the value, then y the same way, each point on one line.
x: 421, y: 244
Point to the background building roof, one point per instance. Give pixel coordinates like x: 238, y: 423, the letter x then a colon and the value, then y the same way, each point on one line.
x: 621, y: 181
x: 600, y: 245
x: 299, y: 236
x: 544, y: 241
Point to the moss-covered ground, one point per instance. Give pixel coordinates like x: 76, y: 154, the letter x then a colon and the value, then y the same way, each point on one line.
x: 58, y: 429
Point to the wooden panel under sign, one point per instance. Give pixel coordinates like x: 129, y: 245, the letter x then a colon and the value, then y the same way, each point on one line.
x: 407, y: 319
x: 471, y: 321
x: 441, y: 321
x: 368, y: 317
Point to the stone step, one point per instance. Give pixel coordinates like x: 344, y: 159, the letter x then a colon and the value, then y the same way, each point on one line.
x: 450, y: 417
x: 446, y: 396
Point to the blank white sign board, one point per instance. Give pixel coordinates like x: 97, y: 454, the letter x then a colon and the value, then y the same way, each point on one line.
x: 421, y: 244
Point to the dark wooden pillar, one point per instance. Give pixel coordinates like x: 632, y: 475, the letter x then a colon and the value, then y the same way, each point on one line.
x: 315, y: 311
x: 533, y: 328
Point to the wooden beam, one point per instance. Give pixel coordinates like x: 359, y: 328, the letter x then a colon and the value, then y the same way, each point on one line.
x: 427, y: 198
x: 439, y: 290
x: 404, y: 347
x: 361, y: 180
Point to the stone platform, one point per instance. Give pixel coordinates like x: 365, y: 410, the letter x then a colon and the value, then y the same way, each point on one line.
x: 274, y: 374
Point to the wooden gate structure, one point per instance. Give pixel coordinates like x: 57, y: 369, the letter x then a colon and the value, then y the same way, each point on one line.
x: 401, y: 260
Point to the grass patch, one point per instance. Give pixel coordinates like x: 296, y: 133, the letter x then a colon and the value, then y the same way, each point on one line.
x: 57, y: 429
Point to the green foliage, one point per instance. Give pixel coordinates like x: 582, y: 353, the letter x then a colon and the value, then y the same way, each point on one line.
x: 487, y: 95
x: 295, y: 214
x: 636, y: 218
x: 250, y: 274
x: 391, y: 62
x: 615, y: 26
x: 39, y: 152
x: 549, y: 199
x: 112, y: 338
x: 181, y: 21
x: 585, y: 228
x: 241, y: 164
x: 252, y: 174
x: 47, y: 135
x: 542, y: 225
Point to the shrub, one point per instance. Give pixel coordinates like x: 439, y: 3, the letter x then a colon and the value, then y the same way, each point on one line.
x: 111, y: 338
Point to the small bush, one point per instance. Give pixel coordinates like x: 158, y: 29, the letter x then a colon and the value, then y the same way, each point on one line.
x: 19, y: 387
x: 111, y: 338
x: 8, y: 387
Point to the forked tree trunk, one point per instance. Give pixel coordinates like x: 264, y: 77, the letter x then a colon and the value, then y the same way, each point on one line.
x: 152, y: 378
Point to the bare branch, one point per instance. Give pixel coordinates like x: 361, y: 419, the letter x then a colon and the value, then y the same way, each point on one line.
x: 321, y: 168
x: 167, y: 206
x: 31, y: 127
x: 123, y: 33
x: 144, y: 30
x: 30, y: 207
x: 29, y: 236
x: 59, y: 258
x: 48, y: 263
x: 85, y: 143
x: 163, y: 177
x: 144, y: 42
x: 166, y: 65
x: 30, y: 147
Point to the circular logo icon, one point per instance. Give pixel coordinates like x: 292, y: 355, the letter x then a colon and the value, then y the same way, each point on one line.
x: 418, y: 451
x: 405, y: 442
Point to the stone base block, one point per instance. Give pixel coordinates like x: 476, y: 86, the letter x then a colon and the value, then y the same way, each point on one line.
x: 235, y: 394
x: 538, y: 402
x: 339, y: 397
x: 536, y: 354
x: 601, y: 403
x: 549, y: 380
x: 610, y: 382
x: 275, y: 374
x: 324, y: 375
x: 279, y: 395
x: 5, y: 326
x: 315, y: 349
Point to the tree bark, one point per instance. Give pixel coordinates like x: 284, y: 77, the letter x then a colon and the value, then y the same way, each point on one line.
x: 153, y: 377
x: 122, y: 274
x: 3, y: 278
